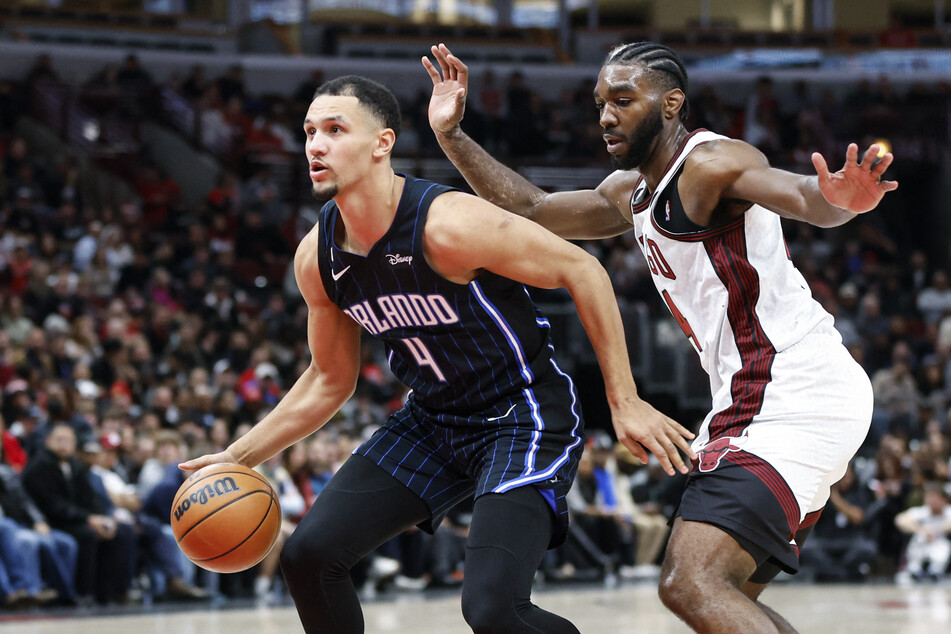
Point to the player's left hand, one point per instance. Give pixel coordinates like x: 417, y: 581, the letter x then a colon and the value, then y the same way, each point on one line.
x: 641, y: 428
x: 858, y: 186
x: 450, y: 87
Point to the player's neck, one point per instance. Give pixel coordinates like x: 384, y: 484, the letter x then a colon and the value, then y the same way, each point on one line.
x: 368, y: 210
x: 668, y: 143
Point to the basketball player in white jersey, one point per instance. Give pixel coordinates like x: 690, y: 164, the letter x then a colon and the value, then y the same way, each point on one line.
x: 790, y: 405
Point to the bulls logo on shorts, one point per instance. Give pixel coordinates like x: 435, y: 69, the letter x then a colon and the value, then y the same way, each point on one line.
x: 709, y: 457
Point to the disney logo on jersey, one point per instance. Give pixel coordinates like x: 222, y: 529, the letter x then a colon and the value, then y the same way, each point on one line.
x: 396, y: 258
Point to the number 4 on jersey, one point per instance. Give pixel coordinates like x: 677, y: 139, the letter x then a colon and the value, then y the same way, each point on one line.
x: 423, y: 356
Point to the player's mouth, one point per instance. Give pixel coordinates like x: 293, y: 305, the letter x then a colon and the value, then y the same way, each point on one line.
x: 613, y: 142
x: 316, y: 169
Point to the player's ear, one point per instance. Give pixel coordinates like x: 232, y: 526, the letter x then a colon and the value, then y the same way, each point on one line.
x: 673, y: 102
x: 384, y: 142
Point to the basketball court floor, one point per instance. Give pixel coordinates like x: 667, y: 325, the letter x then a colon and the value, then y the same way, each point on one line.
x: 825, y: 609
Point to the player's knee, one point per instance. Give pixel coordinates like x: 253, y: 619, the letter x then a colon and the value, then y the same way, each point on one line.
x: 486, y: 610
x: 305, y: 557
x: 679, y: 588
x: 488, y: 604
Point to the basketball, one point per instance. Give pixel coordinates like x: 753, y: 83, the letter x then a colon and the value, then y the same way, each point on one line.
x: 226, y: 517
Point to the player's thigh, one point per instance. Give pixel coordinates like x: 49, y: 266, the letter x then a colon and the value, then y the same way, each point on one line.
x: 360, y: 508
x: 699, y: 552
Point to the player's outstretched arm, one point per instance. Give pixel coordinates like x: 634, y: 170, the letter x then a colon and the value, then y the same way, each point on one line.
x: 326, y: 384
x: 464, y: 235
x: 579, y: 214
x: 827, y: 199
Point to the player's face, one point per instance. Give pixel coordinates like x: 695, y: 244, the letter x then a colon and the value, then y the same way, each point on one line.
x: 630, y: 112
x: 340, y: 139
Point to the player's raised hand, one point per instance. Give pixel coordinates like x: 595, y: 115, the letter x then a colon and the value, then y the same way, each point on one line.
x: 641, y: 428
x: 858, y: 186
x: 450, y: 85
x: 207, y: 459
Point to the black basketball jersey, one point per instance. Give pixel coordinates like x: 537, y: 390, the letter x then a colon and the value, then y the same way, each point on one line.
x: 459, y: 347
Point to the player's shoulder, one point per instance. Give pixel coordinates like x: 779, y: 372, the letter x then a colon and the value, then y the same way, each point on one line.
x: 723, y: 151
x: 453, y: 213
x: 618, y: 185
x: 306, y: 257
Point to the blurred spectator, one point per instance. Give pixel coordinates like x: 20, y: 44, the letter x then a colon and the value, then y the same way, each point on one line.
x: 648, y: 520
x: 292, y: 506
x: 934, y: 301
x: 157, y: 549
x: 49, y: 556
x: 195, y: 84
x: 59, y: 483
x: 160, y: 194
x: 896, y: 394
x: 929, y: 525
x: 231, y: 84
x: 841, y: 547
x: 593, y: 501
x: 762, y: 118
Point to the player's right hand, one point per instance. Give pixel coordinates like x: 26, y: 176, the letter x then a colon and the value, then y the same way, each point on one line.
x: 641, y: 428
x: 203, y: 461
x: 450, y: 86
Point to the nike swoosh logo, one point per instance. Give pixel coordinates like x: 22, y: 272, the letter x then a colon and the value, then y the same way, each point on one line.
x: 339, y: 273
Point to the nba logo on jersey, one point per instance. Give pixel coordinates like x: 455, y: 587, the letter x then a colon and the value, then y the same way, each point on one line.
x: 667, y: 212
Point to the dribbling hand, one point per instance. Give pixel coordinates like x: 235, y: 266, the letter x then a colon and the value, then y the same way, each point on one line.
x: 858, y: 186
x: 207, y: 459
x: 450, y: 86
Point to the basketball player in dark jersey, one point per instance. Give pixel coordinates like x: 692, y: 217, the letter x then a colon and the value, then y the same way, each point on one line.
x: 790, y: 405
x: 438, y: 276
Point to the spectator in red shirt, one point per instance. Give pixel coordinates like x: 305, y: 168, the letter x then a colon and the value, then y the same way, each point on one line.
x: 160, y: 195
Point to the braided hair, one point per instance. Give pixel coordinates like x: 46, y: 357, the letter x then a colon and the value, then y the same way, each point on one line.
x: 663, y: 63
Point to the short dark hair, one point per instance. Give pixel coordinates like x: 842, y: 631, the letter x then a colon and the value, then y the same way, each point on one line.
x: 661, y: 61
x: 374, y: 96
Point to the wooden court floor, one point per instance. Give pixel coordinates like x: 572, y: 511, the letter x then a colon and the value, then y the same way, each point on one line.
x: 825, y: 609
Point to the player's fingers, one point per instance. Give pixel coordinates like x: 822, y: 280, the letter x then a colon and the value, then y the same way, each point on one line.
x: 441, y: 59
x: 672, y: 450
x: 852, y: 154
x: 870, y: 156
x: 882, y: 164
x: 679, y: 429
x: 658, y: 450
x: 450, y: 70
x: 822, y: 168
x: 198, y: 463
x: 636, y: 448
x: 433, y: 73
x: 682, y: 443
x: 889, y: 186
x: 461, y: 69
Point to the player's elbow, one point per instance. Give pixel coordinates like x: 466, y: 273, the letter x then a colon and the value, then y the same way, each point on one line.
x: 336, y: 385
x: 586, y: 273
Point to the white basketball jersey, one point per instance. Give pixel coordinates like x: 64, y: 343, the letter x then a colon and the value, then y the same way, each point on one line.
x: 733, y: 288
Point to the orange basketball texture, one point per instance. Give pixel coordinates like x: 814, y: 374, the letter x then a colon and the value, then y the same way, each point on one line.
x: 226, y: 517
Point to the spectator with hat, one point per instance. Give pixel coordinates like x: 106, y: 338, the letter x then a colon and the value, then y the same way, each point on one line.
x: 157, y: 551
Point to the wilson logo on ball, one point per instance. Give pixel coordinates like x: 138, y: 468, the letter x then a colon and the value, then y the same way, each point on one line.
x: 222, y: 486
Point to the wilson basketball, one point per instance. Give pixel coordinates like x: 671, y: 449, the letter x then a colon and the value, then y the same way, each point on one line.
x: 226, y: 517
